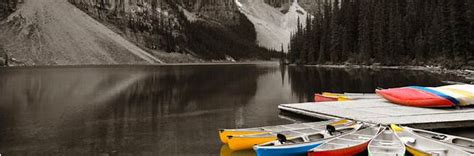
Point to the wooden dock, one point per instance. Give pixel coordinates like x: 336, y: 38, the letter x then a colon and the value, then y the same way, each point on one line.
x: 382, y: 112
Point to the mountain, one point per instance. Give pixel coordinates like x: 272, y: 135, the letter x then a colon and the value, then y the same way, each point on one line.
x: 240, y: 29
x: 207, y: 29
x: 152, y: 31
x: 54, y: 32
x: 273, y: 25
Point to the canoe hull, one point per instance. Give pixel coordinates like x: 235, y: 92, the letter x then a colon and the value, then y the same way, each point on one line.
x: 224, y: 134
x: 416, y: 152
x: 294, y: 150
x: 409, y: 96
x: 341, y: 152
x: 321, y: 98
x: 246, y: 143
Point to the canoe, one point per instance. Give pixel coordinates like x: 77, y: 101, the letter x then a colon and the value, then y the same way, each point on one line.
x: 445, y: 96
x: 299, y: 146
x: 350, y: 144
x: 326, y: 96
x: 465, y: 144
x: 322, y: 98
x: 244, y: 142
x: 225, y: 133
x: 386, y: 144
x: 422, y: 146
x: 354, y: 96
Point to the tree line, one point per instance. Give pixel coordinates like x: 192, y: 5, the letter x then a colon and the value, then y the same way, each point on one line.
x: 386, y: 32
x: 7, y: 7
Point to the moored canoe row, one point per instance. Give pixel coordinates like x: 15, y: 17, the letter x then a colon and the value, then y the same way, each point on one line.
x: 346, y: 137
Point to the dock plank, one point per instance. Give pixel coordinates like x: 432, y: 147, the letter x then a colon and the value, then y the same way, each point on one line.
x: 383, y: 112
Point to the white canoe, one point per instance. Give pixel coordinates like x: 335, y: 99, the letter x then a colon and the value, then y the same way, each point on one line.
x: 386, y: 144
x: 460, y: 142
x: 420, y: 146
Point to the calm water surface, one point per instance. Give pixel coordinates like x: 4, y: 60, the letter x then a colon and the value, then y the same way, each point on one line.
x: 162, y: 110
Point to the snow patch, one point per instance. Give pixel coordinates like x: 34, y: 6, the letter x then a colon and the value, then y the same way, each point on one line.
x: 273, y: 27
x: 238, y: 3
x: 191, y: 17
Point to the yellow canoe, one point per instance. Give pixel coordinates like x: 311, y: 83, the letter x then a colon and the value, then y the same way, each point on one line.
x: 225, y: 133
x: 244, y: 142
x: 327, y: 96
x: 339, y: 97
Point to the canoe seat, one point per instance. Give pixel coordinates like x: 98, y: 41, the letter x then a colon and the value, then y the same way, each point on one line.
x: 385, y: 147
x: 385, y: 142
x: 437, y: 151
x: 363, y: 138
x: 386, y: 153
x: 350, y: 140
x: 363, y: 135
x: 336, y: 145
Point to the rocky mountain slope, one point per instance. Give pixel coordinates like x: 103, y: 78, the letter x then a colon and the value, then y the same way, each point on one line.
x: 273, y: 25
x: 54, y: 32
x: 207, y: 28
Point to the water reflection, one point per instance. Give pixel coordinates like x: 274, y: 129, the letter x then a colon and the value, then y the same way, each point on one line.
x: 172, y: 110
x: 159, y: 110
x: 226, y: 151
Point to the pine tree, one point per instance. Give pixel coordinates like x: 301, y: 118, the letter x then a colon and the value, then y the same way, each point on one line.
x: 460, y: 29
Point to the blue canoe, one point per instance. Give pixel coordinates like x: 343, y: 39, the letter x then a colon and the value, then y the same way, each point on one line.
x: 287, y: 150
x: 299, y: 146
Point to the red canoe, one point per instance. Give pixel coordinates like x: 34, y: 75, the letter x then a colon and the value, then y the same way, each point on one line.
x: 322, y: 98
x: 417, y: 97
x: 350, y: 144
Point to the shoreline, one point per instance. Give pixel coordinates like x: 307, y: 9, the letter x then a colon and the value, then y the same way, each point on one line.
x: 143, y: 65
x: 465, y: 73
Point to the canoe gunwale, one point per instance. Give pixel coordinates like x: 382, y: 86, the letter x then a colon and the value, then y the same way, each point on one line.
x: 401, y: 147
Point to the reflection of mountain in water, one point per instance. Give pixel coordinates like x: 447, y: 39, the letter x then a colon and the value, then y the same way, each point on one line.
x: 149, y: 110
x: 305, y: 81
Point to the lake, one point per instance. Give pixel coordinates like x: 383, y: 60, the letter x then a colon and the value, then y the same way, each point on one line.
x: 163, y: 110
